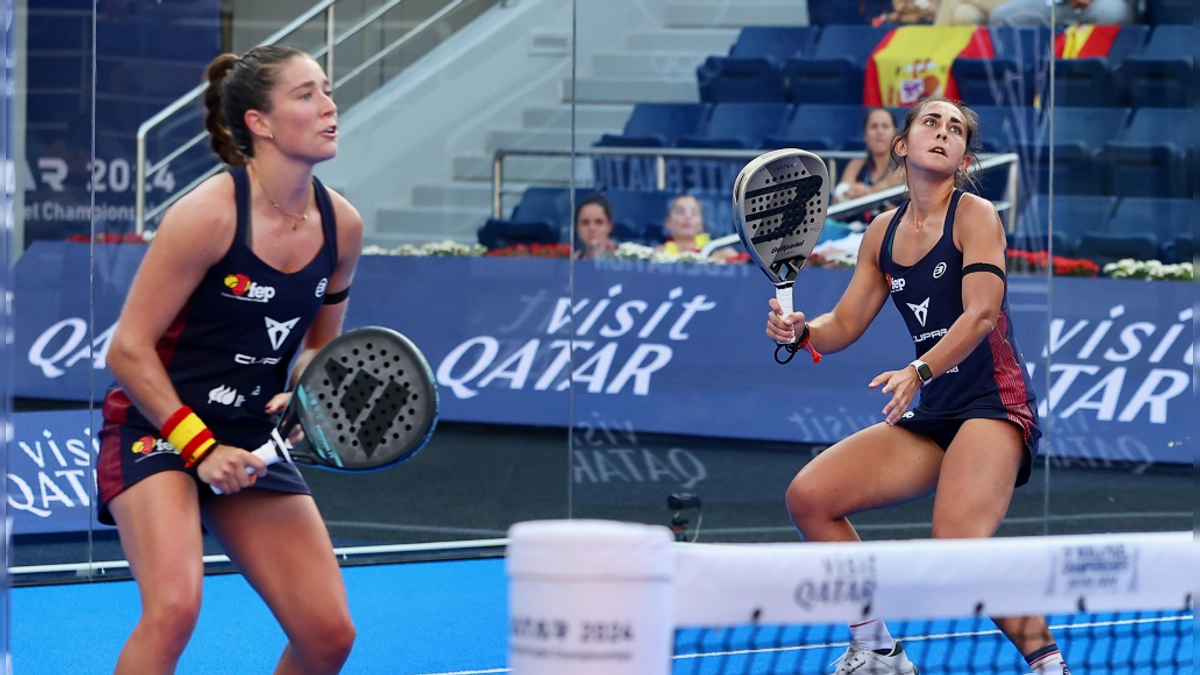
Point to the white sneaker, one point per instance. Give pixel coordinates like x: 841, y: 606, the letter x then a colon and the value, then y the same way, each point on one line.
x: 858, y: 660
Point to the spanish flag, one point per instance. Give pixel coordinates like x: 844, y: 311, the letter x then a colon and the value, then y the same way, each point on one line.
x: 1083, y: 41
x: 912, y: 62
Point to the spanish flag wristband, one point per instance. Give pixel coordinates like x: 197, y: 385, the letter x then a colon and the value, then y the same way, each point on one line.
x: 188, y: 435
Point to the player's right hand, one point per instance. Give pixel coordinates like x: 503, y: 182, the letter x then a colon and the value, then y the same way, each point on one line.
x: 229, y: 469
x: 780, y: 327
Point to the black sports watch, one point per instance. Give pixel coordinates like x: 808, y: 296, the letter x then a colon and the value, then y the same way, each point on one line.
x: 923, y: 371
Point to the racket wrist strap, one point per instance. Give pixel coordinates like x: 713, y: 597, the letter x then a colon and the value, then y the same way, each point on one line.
x: 189, y: 435
x: 805, y: 342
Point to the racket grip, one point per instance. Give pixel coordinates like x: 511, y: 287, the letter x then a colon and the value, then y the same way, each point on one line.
x: 783, y: 295
x: 273, y: 451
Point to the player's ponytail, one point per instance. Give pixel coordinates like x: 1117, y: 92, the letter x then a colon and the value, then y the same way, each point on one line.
x: 235, y: 86
x: 219, y: 132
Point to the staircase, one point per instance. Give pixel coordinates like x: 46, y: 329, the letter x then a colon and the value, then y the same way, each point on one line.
x: 651, y: 64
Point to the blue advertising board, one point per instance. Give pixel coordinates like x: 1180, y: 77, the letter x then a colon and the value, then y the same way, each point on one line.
x: 672, y: 348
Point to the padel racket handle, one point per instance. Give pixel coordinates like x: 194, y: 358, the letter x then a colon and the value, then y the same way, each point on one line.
x: 783, y: 295
x: 273, y: 451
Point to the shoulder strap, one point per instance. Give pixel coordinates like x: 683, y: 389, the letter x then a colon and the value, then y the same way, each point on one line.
x: 241, y: 191
x: 885, y: 249
x: 328, y: 220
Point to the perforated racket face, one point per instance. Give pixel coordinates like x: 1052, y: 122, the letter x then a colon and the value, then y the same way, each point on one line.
x: 780, y: 200
x: 368, y: 400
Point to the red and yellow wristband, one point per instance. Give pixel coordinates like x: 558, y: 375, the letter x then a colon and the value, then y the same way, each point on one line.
x: 188, y: 435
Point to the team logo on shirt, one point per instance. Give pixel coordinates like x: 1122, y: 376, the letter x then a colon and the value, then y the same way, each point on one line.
x: 149, y: 445
x: 921, y: 311
x: 226, y: 396
x: 321, y: 286
x: 939, y: 270
x: 242, y: 288
x: 896, y: 284
x: 278, y: 331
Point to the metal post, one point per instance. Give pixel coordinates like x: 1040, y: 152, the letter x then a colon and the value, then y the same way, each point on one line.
x: 660, y: 167
x: 1014, y: 183
x: 497, y: 181
x: 139, y: 198
x: 329, y: 44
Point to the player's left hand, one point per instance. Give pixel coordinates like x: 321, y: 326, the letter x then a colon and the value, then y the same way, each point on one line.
x: 278, y: 402
x: 902, y: 385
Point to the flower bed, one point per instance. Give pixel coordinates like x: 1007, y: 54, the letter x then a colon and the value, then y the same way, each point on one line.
x: 1151, y: 270
x: 1037, y: 262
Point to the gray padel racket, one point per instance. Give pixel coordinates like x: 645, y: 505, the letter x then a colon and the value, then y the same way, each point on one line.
x: 779, y: 202
x: 367, y: 401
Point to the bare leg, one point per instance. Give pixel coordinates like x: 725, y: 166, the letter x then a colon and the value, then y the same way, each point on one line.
x: 879, y: 466
x: 973, y: 495
x: 280, y: 544
x: 159, y: 522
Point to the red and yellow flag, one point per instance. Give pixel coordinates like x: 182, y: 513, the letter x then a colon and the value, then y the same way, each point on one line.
x: 912, y: 62
x: 1083, y: 41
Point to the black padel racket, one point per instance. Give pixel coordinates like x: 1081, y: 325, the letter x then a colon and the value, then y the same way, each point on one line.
x: 367, y: 401
x: 779, y: 201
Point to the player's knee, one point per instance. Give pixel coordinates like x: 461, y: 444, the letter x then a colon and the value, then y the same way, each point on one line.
x: 804, y: 502
x: 329, y: 643
x: 171, y: 616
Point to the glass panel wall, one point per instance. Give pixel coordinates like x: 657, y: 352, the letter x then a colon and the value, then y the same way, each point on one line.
x: 672, y: 98
x: 427, y: 93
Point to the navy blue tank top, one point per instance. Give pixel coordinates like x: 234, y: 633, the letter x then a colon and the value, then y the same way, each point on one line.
x: 928, y: 295
x: 229, y: 349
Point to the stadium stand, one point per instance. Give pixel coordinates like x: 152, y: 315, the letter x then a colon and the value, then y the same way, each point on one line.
x: 656, y: 125
x: 738, y: 125
x: 1149, y: 159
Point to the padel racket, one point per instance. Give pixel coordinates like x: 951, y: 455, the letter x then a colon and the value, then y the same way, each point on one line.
x: 367, y: 401
x: 779, y: 201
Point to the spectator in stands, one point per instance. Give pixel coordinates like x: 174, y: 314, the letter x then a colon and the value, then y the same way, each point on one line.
x: 593, y: 228
x: 685, y: 225
x: 1037, y: 12
x: 876, y: 171
x: 964, y: 12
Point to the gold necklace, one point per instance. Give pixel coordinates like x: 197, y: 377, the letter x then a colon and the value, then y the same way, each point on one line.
x: 295, y: 219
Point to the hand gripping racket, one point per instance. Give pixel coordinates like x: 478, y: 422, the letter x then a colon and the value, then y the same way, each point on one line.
x: 779, y: 202
x: 367, y: 401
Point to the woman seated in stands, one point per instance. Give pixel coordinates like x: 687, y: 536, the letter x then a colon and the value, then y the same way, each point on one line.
x: 876, y: 171
x: 593, y: 228
x: 685, y: 226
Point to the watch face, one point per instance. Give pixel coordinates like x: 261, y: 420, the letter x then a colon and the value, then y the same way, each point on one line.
x: 925, y: 373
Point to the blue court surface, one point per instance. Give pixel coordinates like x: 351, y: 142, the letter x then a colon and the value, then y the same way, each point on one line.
x: 449, y: 618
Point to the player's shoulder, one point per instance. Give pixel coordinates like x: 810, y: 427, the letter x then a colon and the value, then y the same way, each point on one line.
x: 208, y: 210
x: 979, y: 213
x: 348, y: 217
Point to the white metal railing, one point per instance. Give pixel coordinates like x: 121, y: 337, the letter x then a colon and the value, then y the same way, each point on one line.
x: 141, y: 215
x: 987, y: 162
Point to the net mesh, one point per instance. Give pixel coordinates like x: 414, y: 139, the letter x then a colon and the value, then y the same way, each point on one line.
x: 1119, y: 605
x: 1116, y: 643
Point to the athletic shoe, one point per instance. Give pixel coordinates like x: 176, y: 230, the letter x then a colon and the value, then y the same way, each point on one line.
x: 858, y: 660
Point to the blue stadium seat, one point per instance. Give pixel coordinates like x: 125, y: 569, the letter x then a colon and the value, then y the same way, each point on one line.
x: 1169, y: 11
x: 1088, y: 82
x: 750, y: 80
x: 834, y: 73
x: 656, y: 125
x: 641, y: 212
x: 1073, y: 215
x: 1161, y: 76
x: 995, y: 82
x: 1079, y: 133
x: 777, y: 43
x: 501, y: 233
x: 738, y: 125
x: 1149, y: 158
x: 1103, y: 248
x: 1164, y: 218
x: 829, y: 12
x: 820, y: 127
x: 1180, y: 249
x: 1003, y: 128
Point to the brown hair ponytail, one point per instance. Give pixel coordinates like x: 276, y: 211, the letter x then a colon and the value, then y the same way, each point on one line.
x: 236, y: 85
x: 218, y: 129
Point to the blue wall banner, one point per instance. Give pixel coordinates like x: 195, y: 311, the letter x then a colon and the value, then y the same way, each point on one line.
x: 50, y: 473
x: 674, y: 348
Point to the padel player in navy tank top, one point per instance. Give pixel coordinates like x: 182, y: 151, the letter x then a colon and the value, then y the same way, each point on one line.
x: 992, y: 382
x: 227, y: 353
